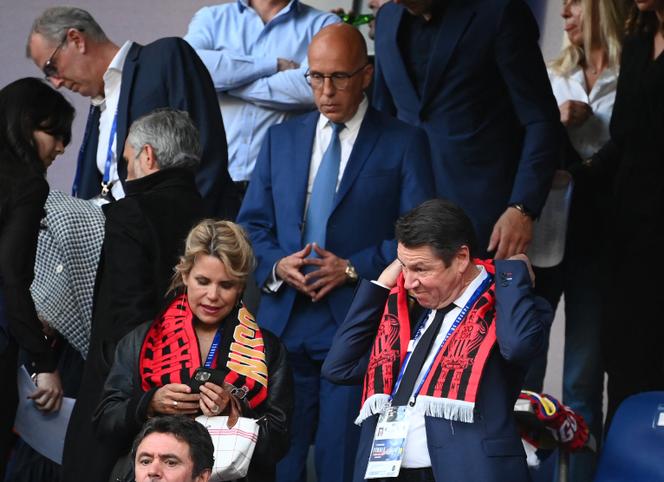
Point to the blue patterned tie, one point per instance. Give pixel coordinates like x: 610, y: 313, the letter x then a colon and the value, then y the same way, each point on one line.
x: 323, y: 191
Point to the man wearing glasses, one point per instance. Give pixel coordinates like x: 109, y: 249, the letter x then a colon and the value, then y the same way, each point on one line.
x: 124, y: 83
x: 320, y: 211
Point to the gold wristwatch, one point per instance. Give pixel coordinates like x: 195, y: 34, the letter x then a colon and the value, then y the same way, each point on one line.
x: 351, y: 274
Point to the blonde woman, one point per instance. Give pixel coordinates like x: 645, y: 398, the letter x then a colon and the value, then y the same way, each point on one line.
x: 584, y: 78
x: 205, y: 325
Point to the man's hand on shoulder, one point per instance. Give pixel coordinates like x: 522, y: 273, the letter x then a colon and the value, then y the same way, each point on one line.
x: 289, y: 269
x: 511, y: 234
x: 330, y: 272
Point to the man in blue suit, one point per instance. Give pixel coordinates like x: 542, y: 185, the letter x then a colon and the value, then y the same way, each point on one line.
x: 124, y: 83
x: 470, y: 73
x: 320, y: 211
x: 457, y: 366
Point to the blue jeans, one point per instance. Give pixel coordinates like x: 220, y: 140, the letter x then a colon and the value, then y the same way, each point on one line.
x: 577, y: 277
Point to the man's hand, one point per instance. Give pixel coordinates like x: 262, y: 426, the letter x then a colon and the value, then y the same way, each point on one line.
x: 574, y: 112
x: 174, y: 399
x: 285, y: 64
x: 388, y: 277
x: 289, y: 269
x: 330, y: 273
x: 48, y: 396
x: 524, y: 258
x: 511, y: 234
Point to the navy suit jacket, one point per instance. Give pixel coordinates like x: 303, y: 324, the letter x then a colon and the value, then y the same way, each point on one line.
x: 489, y: 449
x: 388, y: 173
x: 487, y: 106
x: 167, y: 73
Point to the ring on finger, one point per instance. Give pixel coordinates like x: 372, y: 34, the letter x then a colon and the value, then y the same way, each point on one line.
x: 215, y: 409
x: 175, y: 403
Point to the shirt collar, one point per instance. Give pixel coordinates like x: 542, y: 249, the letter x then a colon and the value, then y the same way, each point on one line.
x: 353, y: 124
x: 242, y: 5
x: 470, y: 289
x: 113, y: 74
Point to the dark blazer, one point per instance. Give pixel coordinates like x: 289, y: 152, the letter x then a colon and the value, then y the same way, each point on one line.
x: 144, y: 235
x: 489, y: 449
x: 167, y: 73
x: 388, y: 173
x: 487, y: 106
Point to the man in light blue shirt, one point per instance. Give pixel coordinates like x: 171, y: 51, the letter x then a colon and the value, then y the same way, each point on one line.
x: 256, y: 54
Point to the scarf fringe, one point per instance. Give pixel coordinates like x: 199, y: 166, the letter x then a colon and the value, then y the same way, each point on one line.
x: 373, y: 405
x: 447, y: 408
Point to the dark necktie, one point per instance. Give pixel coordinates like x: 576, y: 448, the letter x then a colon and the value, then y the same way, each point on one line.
x: 323, y: 191
x: 418, y: 356
x: 92, y: 123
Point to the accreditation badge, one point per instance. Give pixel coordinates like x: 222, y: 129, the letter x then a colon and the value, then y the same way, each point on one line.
x: 388, y: 443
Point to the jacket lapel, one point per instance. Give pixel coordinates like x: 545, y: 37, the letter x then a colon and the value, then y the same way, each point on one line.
x: 128, y: 71
x: 297, y: 167
x: 391, y: 60
x: 456, y: 18
x: 364, y: 144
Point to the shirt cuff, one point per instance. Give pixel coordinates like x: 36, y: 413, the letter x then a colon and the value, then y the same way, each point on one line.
x: 272, y: 284
x: 379, y: 284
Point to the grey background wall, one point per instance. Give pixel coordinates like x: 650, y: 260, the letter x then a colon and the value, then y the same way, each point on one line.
x: 143, y: 21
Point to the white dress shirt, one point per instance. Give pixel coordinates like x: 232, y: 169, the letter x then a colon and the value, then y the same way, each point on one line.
x: 347, y: 138
x: 590, y: 136
x: 109, y: 106
x: 416, y: 452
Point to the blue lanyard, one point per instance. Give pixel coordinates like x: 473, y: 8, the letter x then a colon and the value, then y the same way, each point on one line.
x: 464, y: 311
x: 109, y: 156
x: 213, y: 349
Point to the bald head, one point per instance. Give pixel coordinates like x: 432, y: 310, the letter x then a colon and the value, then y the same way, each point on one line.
x: 339, y: 71
x: 341, y: 39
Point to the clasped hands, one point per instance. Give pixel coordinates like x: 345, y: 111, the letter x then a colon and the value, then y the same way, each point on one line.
x: 329, y: 271
x: 213, y: 400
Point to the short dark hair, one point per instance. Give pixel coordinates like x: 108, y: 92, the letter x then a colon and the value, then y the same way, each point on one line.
x: 186, y: 430
x: 28, y: 105
x: 440, y: 224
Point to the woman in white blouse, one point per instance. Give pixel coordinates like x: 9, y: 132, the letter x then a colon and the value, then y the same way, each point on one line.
x: 584, y: 78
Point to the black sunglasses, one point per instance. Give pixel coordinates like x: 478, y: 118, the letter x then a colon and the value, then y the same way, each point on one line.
x: 49, y: 68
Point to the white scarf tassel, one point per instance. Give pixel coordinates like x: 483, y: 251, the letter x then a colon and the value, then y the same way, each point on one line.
x: 373, y: 405
x: 449, y: 409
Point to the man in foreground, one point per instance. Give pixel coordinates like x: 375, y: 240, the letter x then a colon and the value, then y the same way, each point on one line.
x: 443, y: 342
x: 173, y: 449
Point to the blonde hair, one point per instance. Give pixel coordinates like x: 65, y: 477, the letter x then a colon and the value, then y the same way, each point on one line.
x: 609, y: 17
x: 226, y: 241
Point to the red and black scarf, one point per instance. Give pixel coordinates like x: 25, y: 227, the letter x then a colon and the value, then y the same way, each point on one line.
x: 170, y: 351
x: 450, y: 388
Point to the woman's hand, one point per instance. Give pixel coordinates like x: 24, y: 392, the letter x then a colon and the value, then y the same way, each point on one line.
x: 174, y: 399
x: 216, y: 400
x: 574, y: 112
x: 48, y: 396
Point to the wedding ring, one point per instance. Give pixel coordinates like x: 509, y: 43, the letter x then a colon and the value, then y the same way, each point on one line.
x: 175, y: 403
x: 215, y: 409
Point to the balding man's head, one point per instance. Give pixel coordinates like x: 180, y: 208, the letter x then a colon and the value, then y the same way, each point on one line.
x: 338, y: 71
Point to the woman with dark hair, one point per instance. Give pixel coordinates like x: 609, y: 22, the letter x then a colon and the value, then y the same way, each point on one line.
x: 633, y: 161
x: 205, y: 326
x: 35, y: 127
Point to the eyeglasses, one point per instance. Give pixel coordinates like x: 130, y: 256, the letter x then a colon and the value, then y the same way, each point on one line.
x: 340, y: 80
x: 49, y: 68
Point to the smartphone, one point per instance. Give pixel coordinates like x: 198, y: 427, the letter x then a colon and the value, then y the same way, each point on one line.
x: 203, y: 375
